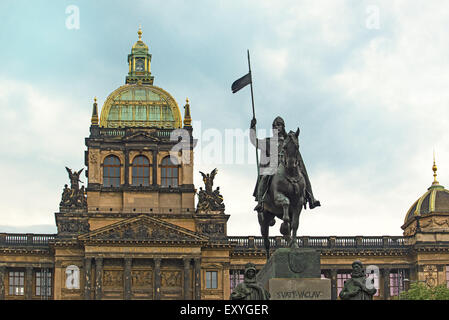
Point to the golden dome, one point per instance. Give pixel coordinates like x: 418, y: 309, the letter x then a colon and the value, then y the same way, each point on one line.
x: 140, y: 105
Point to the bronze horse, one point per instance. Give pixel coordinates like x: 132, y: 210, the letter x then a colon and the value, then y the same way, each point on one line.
x: 285, y: 195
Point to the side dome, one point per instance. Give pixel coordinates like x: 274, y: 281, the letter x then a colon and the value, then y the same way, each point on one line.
x: 435, y: 200
x: 140, y: 105
x: 430, y: 212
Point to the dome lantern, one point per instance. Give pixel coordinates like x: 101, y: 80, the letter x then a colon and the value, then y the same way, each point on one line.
x: 139, y: 63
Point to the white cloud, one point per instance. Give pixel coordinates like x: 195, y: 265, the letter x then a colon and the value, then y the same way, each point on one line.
x: 42, y: 133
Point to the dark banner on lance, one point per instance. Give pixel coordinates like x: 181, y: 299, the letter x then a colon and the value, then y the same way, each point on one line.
x: 241, y: 83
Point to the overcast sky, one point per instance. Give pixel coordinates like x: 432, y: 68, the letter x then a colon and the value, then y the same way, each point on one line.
x: 365, y: 81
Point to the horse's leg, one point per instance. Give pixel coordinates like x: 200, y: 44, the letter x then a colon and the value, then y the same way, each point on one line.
x: 264, y: 222
x: 296, y: 211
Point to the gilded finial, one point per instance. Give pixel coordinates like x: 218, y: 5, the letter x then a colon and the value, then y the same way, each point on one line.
x: 187, y: 117
x: 140, y: 32
x: 94, y: 119
x: 434, y: 169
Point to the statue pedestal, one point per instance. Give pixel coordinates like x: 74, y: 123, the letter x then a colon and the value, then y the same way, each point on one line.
x: 295, y: 274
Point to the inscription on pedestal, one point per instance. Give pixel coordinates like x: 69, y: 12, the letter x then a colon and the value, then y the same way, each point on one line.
x: 300, y: 289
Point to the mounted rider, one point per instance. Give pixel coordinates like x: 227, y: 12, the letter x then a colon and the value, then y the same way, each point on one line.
x: 270, y: 156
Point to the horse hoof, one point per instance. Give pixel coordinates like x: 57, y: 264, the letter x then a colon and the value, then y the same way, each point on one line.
x: 272, y: 222
x: 285, y: 228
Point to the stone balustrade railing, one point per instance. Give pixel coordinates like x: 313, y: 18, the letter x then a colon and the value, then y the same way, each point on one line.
x: 25, y: 239
x: 358, y: 242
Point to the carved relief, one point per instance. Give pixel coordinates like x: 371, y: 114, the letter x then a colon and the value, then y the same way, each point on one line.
x: 431, y: 275
x: 144, y: 228
x: 171, y: 278
x: 142, y: 232
x: 442, y: 222
x: 94, y: 167
x: 113, y: 278
x: 434, y: 224
x: 73, y: 226
x: 142, y: 278
x: 211, y: 228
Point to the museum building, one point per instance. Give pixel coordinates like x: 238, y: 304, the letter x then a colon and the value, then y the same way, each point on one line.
x: 134, y: 231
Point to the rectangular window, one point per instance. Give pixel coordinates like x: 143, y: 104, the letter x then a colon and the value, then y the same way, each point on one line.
x: 397, y: 284
x: 236, y: 276
x: 211, y: 279
x: 341, y: 278
x: 43, y: 284
x: 16, y: 283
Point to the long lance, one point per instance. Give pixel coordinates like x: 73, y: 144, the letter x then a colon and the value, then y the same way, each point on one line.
x: 254, y: 114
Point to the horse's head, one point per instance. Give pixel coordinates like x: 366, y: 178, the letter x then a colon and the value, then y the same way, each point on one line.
x: 291, y: 149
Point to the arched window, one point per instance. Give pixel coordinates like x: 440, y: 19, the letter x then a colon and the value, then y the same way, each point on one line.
x: 169, y: 173
x: 141, y: 171
x: 111, y: 171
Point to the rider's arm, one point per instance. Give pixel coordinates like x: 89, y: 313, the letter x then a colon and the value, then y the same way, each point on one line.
x: 253, y: 137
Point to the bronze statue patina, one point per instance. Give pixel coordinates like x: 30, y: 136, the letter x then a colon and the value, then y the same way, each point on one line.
x: 250, y: 289
x: 73, y: 197
x: 283, y: 186
x: 356, y: 288
x: 209, y: 200
x: 264, y: 178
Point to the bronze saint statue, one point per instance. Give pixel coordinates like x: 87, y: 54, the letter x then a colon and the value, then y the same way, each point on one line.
x: 283, y: 187
x: 356, y: 288
x: 250, y: 289
x: 265, y: 176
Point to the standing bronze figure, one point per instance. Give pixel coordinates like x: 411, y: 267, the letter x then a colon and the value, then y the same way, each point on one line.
x: 283, y: 186
x: 250, y: 289
x: 356, y: 288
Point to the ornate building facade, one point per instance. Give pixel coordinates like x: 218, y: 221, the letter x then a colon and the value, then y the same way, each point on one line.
x: 134, y: 231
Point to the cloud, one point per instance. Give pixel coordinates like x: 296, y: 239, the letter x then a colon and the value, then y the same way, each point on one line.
x: 42, y: 133
x: 371, y: 103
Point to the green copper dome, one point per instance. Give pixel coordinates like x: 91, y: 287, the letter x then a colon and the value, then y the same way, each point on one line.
x: 138, y: 105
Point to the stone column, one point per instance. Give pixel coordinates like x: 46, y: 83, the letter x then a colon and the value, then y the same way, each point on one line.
x: 98, y: 278
x: 127, y: 276
x: 2, y: 282
x: 157, y: 279
x: 386, y: 283
x: 197, y: 267
x: 87, y: 278
x: 28, y: 283
x: 334, y: 289
x: 154, y: 167
x: 187, y: 291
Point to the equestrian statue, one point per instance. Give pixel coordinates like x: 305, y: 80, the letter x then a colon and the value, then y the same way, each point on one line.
x: 283, y: 187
